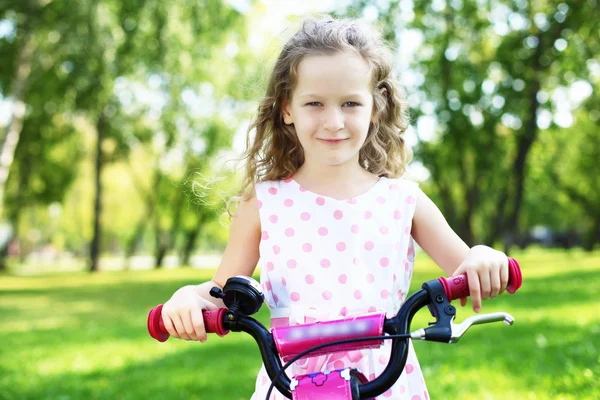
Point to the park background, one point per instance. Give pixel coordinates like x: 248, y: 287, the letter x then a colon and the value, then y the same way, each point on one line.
x: 118, y: 121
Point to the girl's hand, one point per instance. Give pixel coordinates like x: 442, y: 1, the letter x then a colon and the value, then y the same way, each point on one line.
x: 182, y: 314
x: 487, y: 274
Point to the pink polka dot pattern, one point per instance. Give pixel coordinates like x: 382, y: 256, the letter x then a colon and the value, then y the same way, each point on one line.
x: 409, y: 368
x: 324, y: 258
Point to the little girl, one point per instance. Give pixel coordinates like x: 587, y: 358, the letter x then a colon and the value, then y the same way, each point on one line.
x: 325, y: 208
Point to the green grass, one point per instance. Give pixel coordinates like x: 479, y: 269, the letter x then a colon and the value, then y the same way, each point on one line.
x: 81, y: 336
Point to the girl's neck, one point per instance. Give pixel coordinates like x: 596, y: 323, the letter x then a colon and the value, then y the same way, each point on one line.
x: 339, y: 182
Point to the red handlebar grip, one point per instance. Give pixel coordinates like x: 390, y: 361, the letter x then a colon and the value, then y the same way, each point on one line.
x: 213, y: 323
x: 457, y: 287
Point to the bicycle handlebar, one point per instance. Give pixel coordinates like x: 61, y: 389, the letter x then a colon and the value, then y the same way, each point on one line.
x: 457, y: 287
x: 435, y: 295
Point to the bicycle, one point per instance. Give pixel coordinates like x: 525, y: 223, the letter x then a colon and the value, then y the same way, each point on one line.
x: 243, y: 297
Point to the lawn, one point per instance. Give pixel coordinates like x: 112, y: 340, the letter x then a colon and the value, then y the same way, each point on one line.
x: 81, y: 336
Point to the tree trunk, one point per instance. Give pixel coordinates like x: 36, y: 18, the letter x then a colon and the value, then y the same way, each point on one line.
x: 95, y: 245
x: 15, y: 126
x: 190, y: 242
x: 135, y: 238
x: 161, y: 247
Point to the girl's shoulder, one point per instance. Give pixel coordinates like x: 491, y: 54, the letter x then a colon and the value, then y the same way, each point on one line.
x: 272, y: 187
x: 402, y: 183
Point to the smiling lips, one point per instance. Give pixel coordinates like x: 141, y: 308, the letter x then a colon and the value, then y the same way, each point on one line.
x: 332, y: 141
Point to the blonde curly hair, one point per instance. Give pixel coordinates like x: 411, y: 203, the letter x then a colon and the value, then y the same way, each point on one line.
x: 275, y: 152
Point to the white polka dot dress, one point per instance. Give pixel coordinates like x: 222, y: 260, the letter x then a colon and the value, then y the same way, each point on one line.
x: 323, y: 259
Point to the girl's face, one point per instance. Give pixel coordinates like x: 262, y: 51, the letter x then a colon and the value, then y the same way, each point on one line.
x: 331, y: 107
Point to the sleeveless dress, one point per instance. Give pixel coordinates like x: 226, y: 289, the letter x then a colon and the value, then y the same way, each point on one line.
x: 324, y: 259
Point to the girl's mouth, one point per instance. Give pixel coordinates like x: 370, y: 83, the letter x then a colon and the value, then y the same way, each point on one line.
x: 332, y: 141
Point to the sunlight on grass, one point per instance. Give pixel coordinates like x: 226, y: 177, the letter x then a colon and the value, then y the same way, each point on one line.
x: 81, y: 336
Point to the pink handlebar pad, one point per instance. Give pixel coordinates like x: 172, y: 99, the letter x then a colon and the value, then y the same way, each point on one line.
x: 457, y: 287
x: 292, y: 340
x: 213, y: 323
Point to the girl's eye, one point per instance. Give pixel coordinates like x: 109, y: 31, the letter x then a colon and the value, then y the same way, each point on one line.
x: 351, y: 104
x: 313, y: 103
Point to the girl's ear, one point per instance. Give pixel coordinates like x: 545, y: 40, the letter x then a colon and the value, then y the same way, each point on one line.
x: 287, y: 113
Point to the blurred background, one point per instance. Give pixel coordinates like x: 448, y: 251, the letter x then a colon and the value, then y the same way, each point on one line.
x: 118, y: 121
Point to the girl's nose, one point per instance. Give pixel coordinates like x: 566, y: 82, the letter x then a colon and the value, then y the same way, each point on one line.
x: 333, y: 120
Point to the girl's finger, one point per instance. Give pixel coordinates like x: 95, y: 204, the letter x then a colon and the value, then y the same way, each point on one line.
x: 169, y: 325
x: 495, y: 283
x: 179, y: 327
x: 198, y: 323
x: 484, y: 280
x: 504, y: 273
x: 474, y: 289
x: 189, y: 326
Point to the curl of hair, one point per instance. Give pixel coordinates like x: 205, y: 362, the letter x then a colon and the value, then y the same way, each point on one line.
x: 275, y: 152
